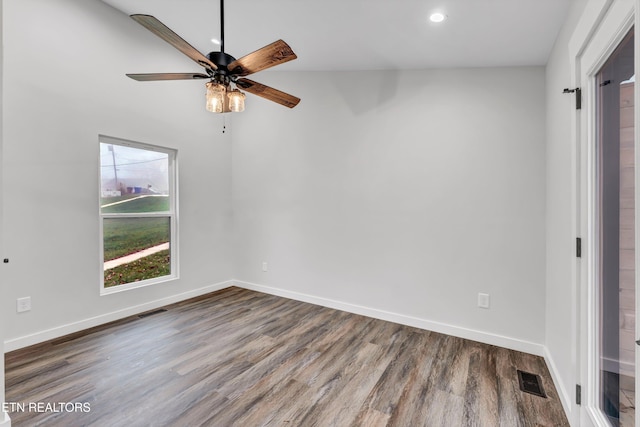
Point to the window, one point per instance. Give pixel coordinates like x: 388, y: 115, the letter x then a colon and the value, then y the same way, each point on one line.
x: 137, y: 214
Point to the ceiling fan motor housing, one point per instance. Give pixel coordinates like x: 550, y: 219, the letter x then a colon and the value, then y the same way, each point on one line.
x: 222, y: 60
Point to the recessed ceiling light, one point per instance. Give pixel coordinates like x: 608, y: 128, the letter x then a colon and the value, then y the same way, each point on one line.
x: 437, y: 17
x: 215, y: 41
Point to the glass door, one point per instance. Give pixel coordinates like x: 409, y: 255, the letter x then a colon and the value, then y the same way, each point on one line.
x: 616, y: 234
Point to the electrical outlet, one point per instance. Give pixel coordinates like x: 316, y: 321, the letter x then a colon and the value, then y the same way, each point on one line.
x: 264, y: 266
x: 23, y: 304
x: 483, y: 300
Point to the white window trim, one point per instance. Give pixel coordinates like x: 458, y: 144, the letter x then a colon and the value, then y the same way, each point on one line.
x: 172, y: 214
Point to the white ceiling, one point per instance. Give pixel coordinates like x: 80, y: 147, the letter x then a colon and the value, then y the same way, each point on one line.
x: 369, y: 34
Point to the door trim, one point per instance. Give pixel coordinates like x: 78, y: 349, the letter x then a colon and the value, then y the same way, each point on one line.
x: 603, y: 26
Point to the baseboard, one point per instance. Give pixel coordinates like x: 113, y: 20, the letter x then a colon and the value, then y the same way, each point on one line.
x: 59, y: 331
x: 5, y: 421
x: 564, y: 394
x: 471, y: 334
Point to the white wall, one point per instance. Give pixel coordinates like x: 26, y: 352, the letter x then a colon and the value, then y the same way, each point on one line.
x: 64, y: 85
x: 400, y: 191
x: 407, y: 192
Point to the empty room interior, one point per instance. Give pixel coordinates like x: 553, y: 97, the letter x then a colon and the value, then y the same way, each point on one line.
x: 356, y: 213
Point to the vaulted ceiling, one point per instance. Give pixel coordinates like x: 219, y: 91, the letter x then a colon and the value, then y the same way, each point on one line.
x: 369, y: 34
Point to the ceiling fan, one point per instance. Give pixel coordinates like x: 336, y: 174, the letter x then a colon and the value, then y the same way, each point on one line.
x: 223, y: 70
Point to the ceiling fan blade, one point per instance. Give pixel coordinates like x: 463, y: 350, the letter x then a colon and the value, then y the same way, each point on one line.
x: 271, y: 55
x: 166, y: 34
x: 167, y: 76
x: 268, y: 92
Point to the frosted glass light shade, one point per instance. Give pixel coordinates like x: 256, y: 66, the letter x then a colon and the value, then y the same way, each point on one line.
x: 215, y: 97
x: 236, y: 101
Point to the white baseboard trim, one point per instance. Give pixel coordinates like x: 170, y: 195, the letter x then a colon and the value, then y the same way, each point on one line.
x: 565, y: 397
x: 59, y: 331
x: 443, y: 328
x: 6, y: 421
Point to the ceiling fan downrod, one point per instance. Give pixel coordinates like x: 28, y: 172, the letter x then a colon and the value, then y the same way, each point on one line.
x: 221, y: 59
x: 222, y: 26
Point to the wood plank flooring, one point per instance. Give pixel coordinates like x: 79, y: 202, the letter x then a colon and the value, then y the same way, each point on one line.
x: 242, y: 358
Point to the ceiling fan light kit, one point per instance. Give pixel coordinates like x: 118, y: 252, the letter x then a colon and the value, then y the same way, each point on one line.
x: 223, y: 70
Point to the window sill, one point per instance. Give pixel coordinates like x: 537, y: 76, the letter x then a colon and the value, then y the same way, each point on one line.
x: 136, y: 285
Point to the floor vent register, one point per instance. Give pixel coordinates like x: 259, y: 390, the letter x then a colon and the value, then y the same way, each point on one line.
x: 530, y: 383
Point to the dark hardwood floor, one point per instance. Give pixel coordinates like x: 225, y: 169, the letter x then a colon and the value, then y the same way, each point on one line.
x: 242, y: 358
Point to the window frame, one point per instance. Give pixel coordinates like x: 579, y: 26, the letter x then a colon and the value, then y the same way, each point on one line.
x: 172, y: 215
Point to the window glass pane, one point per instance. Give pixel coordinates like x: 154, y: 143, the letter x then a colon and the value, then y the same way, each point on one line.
x: 136, y: 249
x: 133, y: 179
x: 615, y: 88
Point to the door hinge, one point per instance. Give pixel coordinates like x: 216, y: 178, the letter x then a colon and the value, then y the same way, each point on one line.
x: 578, y: 93
x: 578, y: 394
x: 578, y: 247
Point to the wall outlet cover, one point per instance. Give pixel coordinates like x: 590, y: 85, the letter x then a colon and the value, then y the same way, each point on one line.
x: 23, y: 304
x: 483, y: 300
